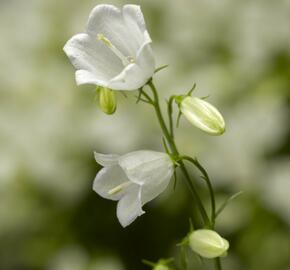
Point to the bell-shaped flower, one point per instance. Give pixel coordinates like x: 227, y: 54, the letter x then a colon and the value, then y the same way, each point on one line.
x: 208, y: 243
x: 133, y: 180
x: 115, y: 51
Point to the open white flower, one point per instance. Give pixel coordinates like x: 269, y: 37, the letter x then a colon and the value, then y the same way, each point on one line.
x: 115, y: 51
x: 132, y: 179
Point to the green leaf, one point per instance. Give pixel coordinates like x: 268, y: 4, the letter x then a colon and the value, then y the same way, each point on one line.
x: 228, y: 200
x: 160, y: 68
x: 149, y: 263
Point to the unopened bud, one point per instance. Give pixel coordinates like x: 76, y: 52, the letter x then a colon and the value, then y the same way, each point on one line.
x: 208, y: 243
x: 161, y: 267
x: 202, y: 114
x: 107, y: 100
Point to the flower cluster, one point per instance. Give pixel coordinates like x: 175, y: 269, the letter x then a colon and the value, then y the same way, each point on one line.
x: 115, y: 55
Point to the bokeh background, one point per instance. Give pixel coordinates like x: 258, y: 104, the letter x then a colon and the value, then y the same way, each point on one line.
x: 237, y: 51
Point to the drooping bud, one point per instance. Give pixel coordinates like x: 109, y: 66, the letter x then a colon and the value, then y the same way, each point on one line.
x: 208, y: 243
x: 107, y: 100
x: 202, y: 114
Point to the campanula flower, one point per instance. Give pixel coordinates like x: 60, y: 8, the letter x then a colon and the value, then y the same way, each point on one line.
x: 133, y: 180
x: 115, y: 51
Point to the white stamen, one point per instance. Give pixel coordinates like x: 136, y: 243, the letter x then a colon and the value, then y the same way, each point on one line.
x: 119, y: 188
x: 126, y: 60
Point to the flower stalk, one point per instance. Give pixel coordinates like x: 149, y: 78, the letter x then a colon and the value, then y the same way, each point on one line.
x: 169, y: 136
x: 175, y: 152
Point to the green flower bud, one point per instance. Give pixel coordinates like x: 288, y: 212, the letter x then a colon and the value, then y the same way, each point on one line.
x: 161, y: 267
x: 208, y: 243
x: 107, y: 100
x: 202, y: 114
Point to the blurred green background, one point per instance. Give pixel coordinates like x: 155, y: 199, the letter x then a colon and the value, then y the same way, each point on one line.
x: 237, y: 51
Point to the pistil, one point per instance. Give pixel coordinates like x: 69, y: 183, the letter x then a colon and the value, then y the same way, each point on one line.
x: 119, y: 188
x: 126, y: 60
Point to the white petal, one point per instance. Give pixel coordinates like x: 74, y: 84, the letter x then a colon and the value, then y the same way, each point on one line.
x: 142, y: 167
x: 107, y: 179
x: 155, y: 187
x: 106, y: 160
x: 134, y: 19
x: 145, y: 59
x: 131, y: 78
x: 137, y: 74
x: 92, y: 56
x: 108, y: 20
x: 130, y: 207
x: 87, y: 77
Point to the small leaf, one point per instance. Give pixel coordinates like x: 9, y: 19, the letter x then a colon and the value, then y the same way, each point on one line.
x: 166, y: 261
x: 205, y: 97
x: 148, y: 263
x: 230, y: 199
x: 160, y: 68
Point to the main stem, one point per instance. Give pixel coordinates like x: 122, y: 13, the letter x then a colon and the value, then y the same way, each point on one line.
x: 169, y: 137
x: 217, y: 264
x: 210, y: 188
x: 175, y: 152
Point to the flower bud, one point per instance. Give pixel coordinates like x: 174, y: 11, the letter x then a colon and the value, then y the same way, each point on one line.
x: 161, y: 267
x: 107, y: 100
x: 203, y: 115
x: 208, y: 243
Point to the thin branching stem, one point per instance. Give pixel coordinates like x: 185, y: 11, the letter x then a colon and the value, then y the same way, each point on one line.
x: 169, y: 136
x: 146, y: 96
x: 205, y: 176
x: 217, y: 264
x: 175, y: 152
x: 170, y: 111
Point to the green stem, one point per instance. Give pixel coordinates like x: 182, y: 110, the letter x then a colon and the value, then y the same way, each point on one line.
x: 209, y: 185
x: 169, y: 136
x: 175, y: 152
x: 217, y: 264
x: 169, y: 111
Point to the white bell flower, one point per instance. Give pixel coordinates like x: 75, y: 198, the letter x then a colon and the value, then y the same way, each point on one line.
x: 133, y: 180
x: 115, y: 52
